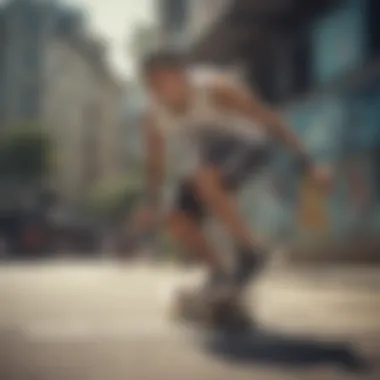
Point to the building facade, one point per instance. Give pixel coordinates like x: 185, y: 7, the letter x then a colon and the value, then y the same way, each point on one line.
x: 55, y: 74
x: 338, y: 114
x: 202, y: 14
x: 25, y: 29
x: 172, y: 19
x: 319, y: 64
x: 83, y: 105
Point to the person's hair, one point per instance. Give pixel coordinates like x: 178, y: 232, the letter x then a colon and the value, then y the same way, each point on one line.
x: 163, y: 59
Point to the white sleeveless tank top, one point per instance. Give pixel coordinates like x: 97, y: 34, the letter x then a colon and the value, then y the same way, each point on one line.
x: 182, y: 132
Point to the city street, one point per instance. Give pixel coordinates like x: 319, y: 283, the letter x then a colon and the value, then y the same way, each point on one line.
x: 100, y: 321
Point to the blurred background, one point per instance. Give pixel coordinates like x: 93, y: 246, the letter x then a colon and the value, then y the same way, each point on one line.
x: 71, y: 103
x: 72, y: 171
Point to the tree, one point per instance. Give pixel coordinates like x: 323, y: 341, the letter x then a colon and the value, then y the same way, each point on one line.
x: 113, y: 202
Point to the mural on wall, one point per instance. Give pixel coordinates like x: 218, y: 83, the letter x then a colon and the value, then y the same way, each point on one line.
x: 320, y: 125
x: 358, y: 176
x: 266, y: 209
x: 313, y: 215
x: 343, y: 131
x: 360, y: 164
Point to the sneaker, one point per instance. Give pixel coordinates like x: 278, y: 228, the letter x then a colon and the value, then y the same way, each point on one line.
x: 249, y: 264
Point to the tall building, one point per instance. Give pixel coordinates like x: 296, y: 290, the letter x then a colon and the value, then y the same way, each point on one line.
x: 25, y: 28
x: 83, y: 105
x: 55, y: 73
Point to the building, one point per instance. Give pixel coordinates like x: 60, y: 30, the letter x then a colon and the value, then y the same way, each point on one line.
x: 56, y: 74
x: 184, y: 25
x: 317, y: 61
x: 146, y: 38
x: 25, y: 27
x: 135, y: 108
x: 83, y: 103
x: 172, y: 16
x: 183, y: 22
x: 202, y: 14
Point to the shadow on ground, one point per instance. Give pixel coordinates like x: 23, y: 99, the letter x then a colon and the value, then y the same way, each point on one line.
x: 260, y: 347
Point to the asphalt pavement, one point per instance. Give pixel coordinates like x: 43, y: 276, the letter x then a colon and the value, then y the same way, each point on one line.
x: 99, y: 320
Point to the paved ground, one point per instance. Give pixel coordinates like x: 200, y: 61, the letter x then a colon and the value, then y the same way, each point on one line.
x: 99, y: 321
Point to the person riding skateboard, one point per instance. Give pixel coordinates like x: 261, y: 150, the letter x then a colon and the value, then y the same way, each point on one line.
x: 205, y: 137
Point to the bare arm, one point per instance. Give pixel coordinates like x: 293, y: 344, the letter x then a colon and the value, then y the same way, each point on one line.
x: 154, y: 148
x: 245, y: 103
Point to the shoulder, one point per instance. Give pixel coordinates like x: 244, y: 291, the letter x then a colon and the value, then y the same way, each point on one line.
x: 210, y: 77
x: 218, y: 84
x: 204, y: 79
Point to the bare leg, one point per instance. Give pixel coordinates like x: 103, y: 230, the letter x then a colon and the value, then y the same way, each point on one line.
x: 223, y: 205
x: 189, y: 234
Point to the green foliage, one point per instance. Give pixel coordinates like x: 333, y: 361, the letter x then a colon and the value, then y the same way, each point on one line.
x: 112, y: 202
x: 24, y: 153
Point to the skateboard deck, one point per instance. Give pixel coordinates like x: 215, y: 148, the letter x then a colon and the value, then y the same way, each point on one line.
x: 221, y: 313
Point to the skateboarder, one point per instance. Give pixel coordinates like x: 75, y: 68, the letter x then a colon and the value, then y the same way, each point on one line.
x: 205, y: 136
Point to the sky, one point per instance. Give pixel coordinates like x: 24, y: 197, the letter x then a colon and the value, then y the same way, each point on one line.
x: 115, y: 20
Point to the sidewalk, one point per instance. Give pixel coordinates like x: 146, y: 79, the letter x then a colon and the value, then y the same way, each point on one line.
x: 362, y: 249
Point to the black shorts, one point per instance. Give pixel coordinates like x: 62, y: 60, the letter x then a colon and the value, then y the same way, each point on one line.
x: 237, y: 160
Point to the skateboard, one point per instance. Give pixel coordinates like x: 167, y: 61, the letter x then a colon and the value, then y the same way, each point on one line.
x: 226, y: 313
